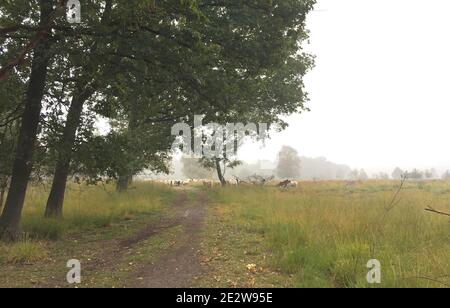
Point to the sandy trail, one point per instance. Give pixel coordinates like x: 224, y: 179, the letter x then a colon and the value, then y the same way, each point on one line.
x: 178, y: 268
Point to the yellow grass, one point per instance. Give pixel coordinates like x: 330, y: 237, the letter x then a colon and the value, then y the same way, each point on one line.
x: 25, y: 251
x: 90, y: 207
x: 317, y: 235
x: 325, y: 233
x: 96, y: 220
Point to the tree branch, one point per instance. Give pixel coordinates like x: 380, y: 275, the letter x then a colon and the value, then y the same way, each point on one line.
x: 43, y: 29
x: 431, y: 210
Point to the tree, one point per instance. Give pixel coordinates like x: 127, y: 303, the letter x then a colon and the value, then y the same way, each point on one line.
x: 382, y: 176
x: 98, y: 37
x: 397, y: 174
x: 354, y: 175
x: 289, y: 163
x: 446, y: 176
x: 222, y: 79
x: 190, y: 54
x: 27, y: 35
x: 416, y: 174
x: 430, y: 174
x: 260, y: 78
x: 10, y: 109
x: 221, y: 145
x: 363, y: 175
x: 220, y: 165
x: 193, y: 169
x: 84, y: 88
x: 7, y: 142
x: 22, y: 167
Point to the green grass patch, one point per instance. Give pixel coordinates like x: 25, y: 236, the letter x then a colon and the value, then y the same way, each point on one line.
x: 25, y: 252
x: 91, y: 207
x: 95, y: 221
x: 322, y: 234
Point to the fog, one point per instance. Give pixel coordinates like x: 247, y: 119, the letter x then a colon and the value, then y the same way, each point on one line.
x: 379, y: 92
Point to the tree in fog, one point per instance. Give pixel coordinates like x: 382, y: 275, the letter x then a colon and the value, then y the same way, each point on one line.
x: 416, y: 174
x: 363, y: 175
x: 289, y: 163
x: 446, y: 176
x: 430, y: 174
x: 193, y: 169
x: 359, y: 175
x: 354, y: 175
x: 321, y: 169
x: 342, y: 172
x: 382, y: 176
x: 397, y: 174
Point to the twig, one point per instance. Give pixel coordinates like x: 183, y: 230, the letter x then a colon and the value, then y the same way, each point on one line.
x: 430, y: 209
x: 395, y: 200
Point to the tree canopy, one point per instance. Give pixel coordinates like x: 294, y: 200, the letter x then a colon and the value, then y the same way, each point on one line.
x: 142, y: 66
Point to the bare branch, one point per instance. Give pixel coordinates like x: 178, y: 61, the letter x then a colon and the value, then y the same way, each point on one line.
x: 395, y: 199
x: 430, y: 209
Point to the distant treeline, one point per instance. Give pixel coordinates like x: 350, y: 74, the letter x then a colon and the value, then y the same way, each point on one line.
x: 318, y: 169
x: 310, y: 169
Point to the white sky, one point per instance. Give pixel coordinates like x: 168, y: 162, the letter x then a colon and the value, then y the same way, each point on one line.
x: 380, y: 89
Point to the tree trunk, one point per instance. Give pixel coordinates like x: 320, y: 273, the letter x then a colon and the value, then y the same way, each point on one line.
x: 2, y: 195
x: 123, y: 183
x: 23, y: 163
x: 125, y: 180
x: 55, y: 201
x: 4, y: 181
x: 222, y: 180
x: 2, y: 198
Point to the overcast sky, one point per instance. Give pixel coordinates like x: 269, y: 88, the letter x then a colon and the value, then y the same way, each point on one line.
x: 380, y: 92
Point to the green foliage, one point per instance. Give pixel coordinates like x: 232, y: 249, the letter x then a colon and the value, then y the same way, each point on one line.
x: 143, y: 66
x: 167, y: 62
x: 48, y: 229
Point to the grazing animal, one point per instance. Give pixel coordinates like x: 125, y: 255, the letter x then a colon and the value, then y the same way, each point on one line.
x: 284, y: 184
x: 208, y: 184
x: 288, y: 184
x: 293, y: 184
x: 181, y: 183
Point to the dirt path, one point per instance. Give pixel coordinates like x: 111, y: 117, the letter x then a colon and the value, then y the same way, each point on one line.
x: 177, y: 268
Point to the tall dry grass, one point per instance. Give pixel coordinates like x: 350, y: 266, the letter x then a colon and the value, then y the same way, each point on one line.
x: 90, y: 207
x: 92, y: 214
x: 325, y: 233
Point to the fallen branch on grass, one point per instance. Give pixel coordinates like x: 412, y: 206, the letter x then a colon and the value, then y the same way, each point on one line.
x: 430, y: 209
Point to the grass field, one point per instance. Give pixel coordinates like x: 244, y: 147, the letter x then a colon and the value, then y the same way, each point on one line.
x: 317, y: 235
x: 323, y: 235
x: 96, y: 222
